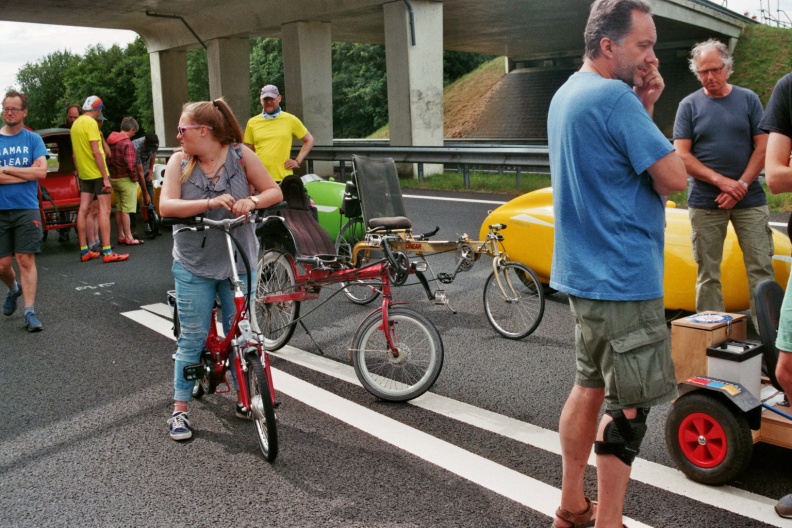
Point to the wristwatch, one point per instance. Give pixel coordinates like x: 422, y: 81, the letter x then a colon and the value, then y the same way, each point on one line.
x: 255, y: 201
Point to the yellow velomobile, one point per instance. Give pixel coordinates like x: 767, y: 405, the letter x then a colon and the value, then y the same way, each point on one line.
x: 531, y: 228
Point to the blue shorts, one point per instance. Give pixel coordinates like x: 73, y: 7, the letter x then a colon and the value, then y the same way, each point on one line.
x: 20, y: 231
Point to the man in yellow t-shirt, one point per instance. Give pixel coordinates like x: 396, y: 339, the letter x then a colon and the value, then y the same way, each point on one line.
x: 270, y: 135
x: 89, y: 158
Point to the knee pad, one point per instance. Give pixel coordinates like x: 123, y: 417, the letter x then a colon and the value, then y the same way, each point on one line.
x: 623, y: 437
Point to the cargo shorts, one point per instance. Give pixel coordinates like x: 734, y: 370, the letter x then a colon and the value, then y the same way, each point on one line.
x: 624, y: 347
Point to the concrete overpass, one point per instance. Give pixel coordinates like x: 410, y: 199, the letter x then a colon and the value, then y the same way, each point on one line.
x: 544, y: 33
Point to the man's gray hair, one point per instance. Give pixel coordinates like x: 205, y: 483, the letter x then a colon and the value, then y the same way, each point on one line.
x: 129, y: 123
x: 701, y: 47
x: 610, y: 19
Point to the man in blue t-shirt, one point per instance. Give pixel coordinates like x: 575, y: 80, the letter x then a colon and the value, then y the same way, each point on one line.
x: 610, y: 168
x: 717, y: 134
x: 23, y: 161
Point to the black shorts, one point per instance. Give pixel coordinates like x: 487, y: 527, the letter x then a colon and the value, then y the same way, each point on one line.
x: 20, y: 231
x: 93, y: 187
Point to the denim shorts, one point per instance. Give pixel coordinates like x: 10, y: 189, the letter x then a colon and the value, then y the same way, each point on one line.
x: 624, y: 347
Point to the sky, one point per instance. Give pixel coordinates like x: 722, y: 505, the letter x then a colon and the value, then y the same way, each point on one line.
x: 25, y: 43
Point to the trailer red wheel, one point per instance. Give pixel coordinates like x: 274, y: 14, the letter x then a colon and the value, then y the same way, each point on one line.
x: 702, y: 440
x: 708, y: 438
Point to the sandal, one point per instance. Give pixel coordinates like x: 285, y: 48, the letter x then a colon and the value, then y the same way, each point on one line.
x: 134, y: 242
x: 122, y: 241
x: 584, y: 519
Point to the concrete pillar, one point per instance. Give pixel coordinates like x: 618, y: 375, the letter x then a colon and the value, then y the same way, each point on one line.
x: 169, y: 92
x: 229, y: 74
x: 308, y: 74
x: 415, y: 74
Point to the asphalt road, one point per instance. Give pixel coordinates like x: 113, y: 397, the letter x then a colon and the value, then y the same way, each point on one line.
x: 83, y: 440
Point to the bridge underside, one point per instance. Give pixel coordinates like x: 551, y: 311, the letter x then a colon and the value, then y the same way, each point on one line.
x: 544, y: 34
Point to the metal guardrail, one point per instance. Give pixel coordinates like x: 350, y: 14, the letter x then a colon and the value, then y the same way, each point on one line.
x: 524, y: 158
x: 528, y: 158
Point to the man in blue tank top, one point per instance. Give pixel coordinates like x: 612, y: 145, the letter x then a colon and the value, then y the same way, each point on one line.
x: 717, y: 134
x: 611, y: 168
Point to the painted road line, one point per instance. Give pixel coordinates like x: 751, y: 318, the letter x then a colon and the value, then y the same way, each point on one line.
x: 672, y: 480
x: 444, y: 199
x: 511, y: 484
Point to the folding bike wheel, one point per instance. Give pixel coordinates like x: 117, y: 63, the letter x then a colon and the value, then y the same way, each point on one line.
x: 276, y: 321
x: 416, y: 364
x: 360, y: 291
x: 261, y: 407
x: 517, y: 309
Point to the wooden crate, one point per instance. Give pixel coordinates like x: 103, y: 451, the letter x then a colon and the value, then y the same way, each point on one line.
x: 690, y: 337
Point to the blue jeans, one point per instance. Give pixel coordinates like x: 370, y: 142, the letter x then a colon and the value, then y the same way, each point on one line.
x: 195, y: 298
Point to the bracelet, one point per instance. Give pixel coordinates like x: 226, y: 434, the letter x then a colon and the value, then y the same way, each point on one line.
x: 208, y: 204
x: 744, y: 184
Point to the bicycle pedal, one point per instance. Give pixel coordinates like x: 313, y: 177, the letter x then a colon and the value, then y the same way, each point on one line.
x: 194, y: 372
x: 440, y: 297
x: 445, y: 278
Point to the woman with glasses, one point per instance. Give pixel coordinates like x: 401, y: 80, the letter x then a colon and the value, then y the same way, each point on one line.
x: 217, y: 176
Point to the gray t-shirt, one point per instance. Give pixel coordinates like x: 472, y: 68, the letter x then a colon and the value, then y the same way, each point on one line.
x: 722, y: 131
x: 204, y: 253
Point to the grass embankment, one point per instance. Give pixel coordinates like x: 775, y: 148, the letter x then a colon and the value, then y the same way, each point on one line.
x: 763, y: 55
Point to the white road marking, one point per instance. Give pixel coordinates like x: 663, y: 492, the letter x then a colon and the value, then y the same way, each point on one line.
x: 444, y: 199
x: 520, y: 488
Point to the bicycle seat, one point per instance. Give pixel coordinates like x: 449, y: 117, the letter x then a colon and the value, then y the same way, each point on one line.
x: 310, y: 238
x: 390, y: 222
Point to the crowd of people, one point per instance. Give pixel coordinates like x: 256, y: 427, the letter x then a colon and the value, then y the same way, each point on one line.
x: 611, y: 171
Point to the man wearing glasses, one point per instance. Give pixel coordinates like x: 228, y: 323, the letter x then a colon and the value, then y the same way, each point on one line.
x: 717, y: 134
x: 23, y: 161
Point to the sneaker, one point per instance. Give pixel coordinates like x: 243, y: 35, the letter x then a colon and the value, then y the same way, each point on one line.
x: 10, y: 304
x: 96, y: 247
x: 115, y: 257
x: 32, y: 323
x: 784, y: 507
x: 179, y: 426
x: 242, y: 412
x: 85, y: 257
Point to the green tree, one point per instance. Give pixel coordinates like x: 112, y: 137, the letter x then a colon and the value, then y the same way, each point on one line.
x: 44, y: 84
x: 360, y: 89
x: 197, y: 75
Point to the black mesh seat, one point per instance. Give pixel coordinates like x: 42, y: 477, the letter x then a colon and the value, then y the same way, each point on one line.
x: 380, y: 194
x: 310, y: 239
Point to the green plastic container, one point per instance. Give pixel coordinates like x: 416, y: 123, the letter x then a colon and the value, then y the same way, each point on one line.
x: 328, y: 195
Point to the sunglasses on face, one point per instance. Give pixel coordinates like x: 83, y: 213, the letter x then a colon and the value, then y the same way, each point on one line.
x: 183, y: 128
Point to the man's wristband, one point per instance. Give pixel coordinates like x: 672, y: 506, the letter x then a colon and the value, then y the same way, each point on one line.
x: 744, y: 184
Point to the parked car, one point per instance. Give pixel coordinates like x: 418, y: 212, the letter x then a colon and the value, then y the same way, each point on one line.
x: 59, y: 192
x: 530, y: 230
